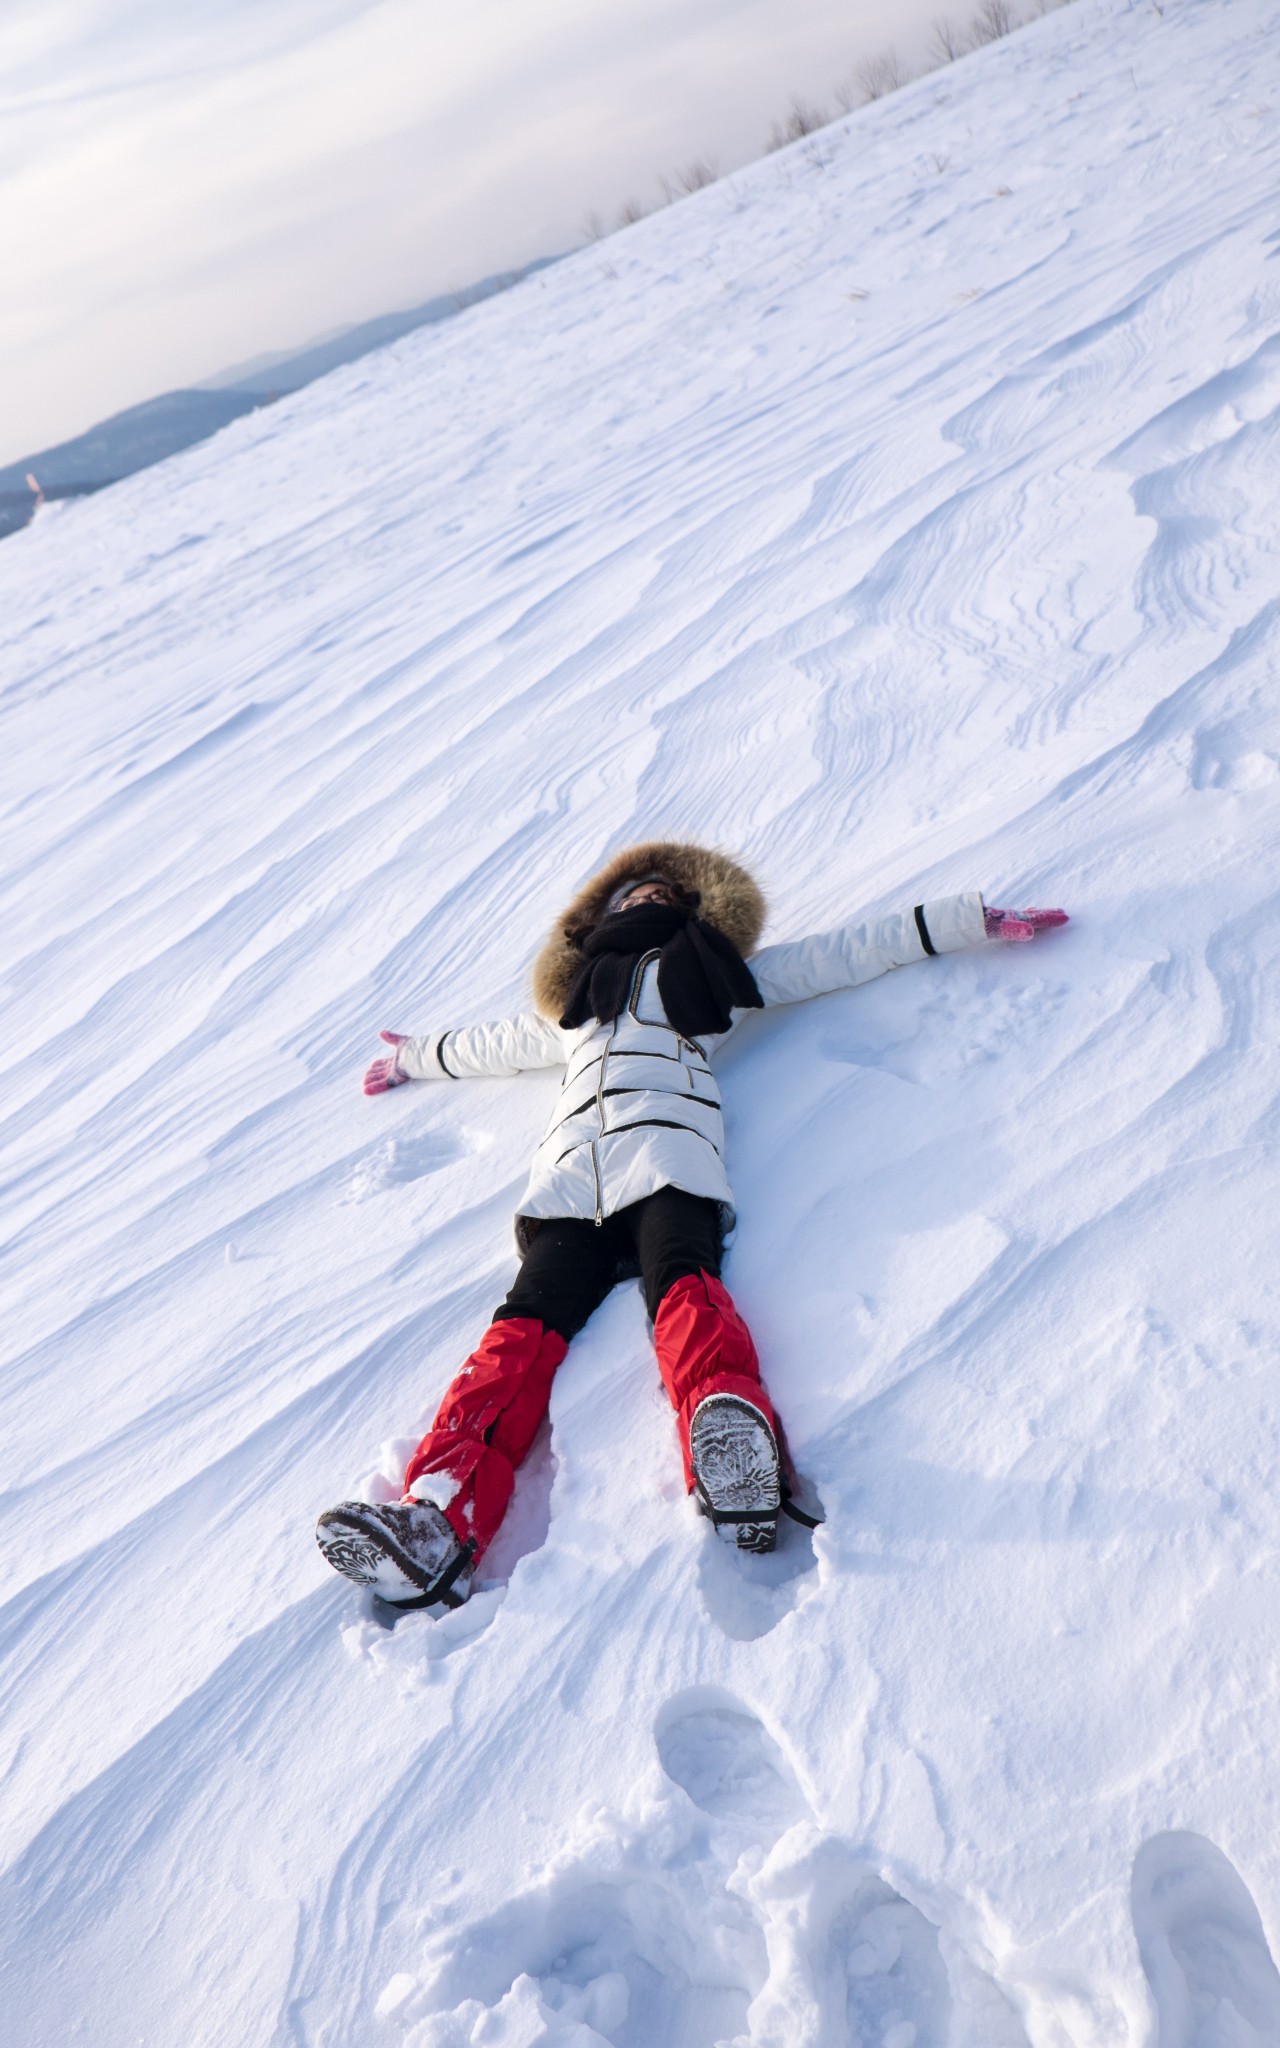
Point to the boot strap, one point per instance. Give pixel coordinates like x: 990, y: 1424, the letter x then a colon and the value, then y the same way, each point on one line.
x: 726, y: 1517
x: 440, y: 1592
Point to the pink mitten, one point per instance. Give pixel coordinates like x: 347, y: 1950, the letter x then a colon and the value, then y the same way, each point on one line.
x: 1020, y: 924
x: 384, y: 1074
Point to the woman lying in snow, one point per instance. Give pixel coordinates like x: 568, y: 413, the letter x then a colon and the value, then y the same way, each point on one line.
x: 637, y: 989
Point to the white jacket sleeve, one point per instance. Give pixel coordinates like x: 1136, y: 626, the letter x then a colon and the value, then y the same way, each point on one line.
x: 485, y: 1051
x: 858, y: 952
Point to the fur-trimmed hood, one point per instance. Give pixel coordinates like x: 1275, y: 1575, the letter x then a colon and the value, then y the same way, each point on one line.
x: 729, y: 900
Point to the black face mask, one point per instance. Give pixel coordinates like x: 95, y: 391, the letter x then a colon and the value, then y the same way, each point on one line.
x: 702, y: 978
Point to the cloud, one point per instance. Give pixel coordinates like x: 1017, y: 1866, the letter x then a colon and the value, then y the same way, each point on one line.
x: 184, y: 183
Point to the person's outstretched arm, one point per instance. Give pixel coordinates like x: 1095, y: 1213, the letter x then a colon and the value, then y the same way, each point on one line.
x: 473, y: 1052
x: 854, y: 953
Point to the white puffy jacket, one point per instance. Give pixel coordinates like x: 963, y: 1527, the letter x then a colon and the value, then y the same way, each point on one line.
x: 639, y: 1108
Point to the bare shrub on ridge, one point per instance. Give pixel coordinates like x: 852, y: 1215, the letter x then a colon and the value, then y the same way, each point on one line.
x: 872, y: 79
x: 802, y: 119
x: 879, y: 75
x: 945, y: 40
x: 995, y: 18
x: 703, y: 171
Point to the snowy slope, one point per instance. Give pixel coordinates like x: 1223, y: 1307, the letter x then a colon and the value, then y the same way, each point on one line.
x: 899, y: 514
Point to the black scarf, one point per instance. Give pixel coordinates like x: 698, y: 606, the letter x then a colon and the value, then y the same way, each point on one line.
x: 701, y: 976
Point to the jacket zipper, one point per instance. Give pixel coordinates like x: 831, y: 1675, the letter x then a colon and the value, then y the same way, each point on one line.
x: 632, y: 992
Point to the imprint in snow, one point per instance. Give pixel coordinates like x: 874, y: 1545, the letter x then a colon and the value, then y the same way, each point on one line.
x: 396, y: 1160
x: 851, y: 1960
x: 1224, y: 759
x: 747, y: 1596
x: 413, y: 1649
x: 717, y: 1751
x: 1203, y: 1947
x: 437, y: 1487
x: 526, y: 1524
x: 630, y: 1940
x: 659, y: 1926
x: 982, y: 1014
x: 530, y: 2017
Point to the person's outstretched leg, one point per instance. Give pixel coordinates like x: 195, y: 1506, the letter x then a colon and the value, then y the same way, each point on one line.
x: 710, y: 1369
x: 492, y: 1412
x: 458, y: 1482
x: 703, y: 1345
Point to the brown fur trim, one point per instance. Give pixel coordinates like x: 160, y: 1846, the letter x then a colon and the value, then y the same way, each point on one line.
x: 729, y: 900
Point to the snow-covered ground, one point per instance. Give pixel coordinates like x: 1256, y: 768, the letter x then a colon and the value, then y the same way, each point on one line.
x: 899, y: 514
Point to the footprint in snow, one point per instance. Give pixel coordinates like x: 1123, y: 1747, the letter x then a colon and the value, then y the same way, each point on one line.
x: 1201, y: 1939
x: 728, y: 1764
x: 849, y: 1959
x: 715, y: 1914
x: 747, y: 1596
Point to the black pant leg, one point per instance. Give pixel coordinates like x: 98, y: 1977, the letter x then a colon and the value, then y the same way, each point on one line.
x: 565, y: 1275
x: 675, y: 1234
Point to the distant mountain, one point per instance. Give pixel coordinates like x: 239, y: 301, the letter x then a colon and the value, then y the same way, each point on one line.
x: 276, y: 374
x: 127, y: 441
x: 146, y: 433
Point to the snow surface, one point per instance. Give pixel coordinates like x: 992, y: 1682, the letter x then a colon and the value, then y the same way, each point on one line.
x: 901, y: 515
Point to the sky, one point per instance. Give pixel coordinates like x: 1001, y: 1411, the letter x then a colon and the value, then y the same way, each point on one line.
x: 185, y: 184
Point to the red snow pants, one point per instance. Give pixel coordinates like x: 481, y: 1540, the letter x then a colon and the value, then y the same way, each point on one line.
x: 487, y: 1423
x: 492, y: 1411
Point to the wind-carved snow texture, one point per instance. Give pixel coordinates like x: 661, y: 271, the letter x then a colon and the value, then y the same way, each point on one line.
x: 899, y: 514
x: 1211, y: 1972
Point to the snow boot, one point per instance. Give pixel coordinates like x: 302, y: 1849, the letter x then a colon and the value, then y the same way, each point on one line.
x: 737, y: 1474
x: 405, y: 1551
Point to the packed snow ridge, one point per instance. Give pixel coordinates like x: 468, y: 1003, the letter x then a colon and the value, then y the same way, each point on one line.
x: 900, y: 516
